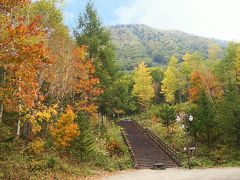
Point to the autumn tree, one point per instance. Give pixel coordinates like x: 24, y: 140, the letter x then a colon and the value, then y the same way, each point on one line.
x: 56, y: 84
x: 23, y: 56
x: 91, y: 33
x: 229, y: 105
x: 214, y: 51
x: 85, y: 84
x: 65, y: 129
x: 171, y: 82
x: 191, y: 62
x: 143, y: 87
x: 204, y: 81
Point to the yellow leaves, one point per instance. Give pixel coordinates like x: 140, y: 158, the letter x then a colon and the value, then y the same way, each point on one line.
x: 46, y: 114
x: 65, y: 129
x: 213, y: 51
x: 170, y: 83
x: 37, y: 146
x: 143, y: 86
x: 36, y: 118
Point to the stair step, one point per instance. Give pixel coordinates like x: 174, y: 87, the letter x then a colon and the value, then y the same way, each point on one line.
x: 154, y: 163
x: 145, y: 150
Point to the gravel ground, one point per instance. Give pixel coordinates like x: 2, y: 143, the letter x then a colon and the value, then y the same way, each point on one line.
x: 178, y: 174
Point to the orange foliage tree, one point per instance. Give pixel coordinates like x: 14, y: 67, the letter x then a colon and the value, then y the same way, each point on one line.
x: 206, y: 82
x: 29, y: 67
x: 85, y: 85
x: 23, y: 55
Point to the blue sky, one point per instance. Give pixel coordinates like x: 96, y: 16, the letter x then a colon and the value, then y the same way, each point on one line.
x: 107, y: 10
x: 209, y: 18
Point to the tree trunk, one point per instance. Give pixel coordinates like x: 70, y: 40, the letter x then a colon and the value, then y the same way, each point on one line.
x: 180, y: 96
x: 238, y: 140
x: 1, y: 113
x: 238, y: 137
x: 209, y: 139
x: 3, y: 85
x: 19, y: 109
x: 18, y: 127
x: 196, y: 143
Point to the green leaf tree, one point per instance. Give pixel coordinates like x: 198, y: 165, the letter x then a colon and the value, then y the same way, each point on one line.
x: 120, y: 100
x: 84, y: 145
x: 167, y: 115
x: 205, y: 121
x: 157, y: 76
x: 229, y: 109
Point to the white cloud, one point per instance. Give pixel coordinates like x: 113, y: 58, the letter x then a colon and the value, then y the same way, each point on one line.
x: 210, y: 18
x: 69, y: 15
x: 69, y: 18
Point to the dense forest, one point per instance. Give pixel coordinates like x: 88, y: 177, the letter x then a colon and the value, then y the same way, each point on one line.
x: 135, y: 43
x: 61, y: 95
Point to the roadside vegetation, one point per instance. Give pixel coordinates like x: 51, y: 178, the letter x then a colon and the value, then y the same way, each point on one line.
x: 61, y: 96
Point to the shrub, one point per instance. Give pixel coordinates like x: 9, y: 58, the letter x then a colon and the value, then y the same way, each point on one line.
x: 37, y: 146
x: 114, y: 148
x: 219, y: 154
x: 64, y: 130
x: 5, y: 132
x: 200, y: 162
x: 51, y: 162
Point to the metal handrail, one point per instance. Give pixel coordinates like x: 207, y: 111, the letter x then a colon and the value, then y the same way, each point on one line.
x: 168, y: 149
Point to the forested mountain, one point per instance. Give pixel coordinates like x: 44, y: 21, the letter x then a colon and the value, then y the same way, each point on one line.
x: 136, y: 43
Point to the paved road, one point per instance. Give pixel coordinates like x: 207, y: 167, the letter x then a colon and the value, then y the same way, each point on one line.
x: 179, y: 174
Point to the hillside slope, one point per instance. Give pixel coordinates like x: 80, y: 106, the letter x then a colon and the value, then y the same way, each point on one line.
x: 136, y: 43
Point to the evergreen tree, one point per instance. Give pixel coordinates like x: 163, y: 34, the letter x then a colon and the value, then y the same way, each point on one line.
x: 229, y: 109
x: 84, y: 145
x: 167, y: 115
x: 120, y: 100
x: 205, y: 121
x: 90, y: 33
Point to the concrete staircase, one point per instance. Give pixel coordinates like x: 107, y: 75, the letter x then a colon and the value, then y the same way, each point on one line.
x: 146, y: 148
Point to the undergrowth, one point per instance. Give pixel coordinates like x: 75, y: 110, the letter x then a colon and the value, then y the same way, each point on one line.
x: 17, y: 161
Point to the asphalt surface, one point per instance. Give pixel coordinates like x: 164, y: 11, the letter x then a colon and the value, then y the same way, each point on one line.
x: 178, y: 174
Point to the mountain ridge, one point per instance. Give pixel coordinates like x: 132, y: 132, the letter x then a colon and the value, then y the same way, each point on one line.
x: 139, y: 42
